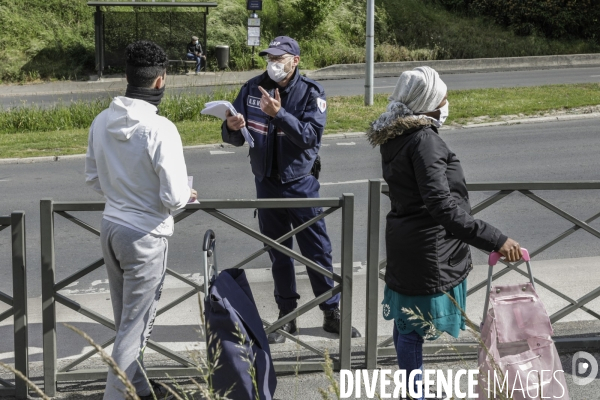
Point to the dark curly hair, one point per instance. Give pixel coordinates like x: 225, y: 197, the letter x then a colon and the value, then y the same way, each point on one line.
x: 146, y: 61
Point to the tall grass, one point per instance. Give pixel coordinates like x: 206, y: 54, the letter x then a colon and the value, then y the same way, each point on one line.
x: 345, y: 113
x: 80, y: 114
x: 59, y: 117
x: 45, y: 39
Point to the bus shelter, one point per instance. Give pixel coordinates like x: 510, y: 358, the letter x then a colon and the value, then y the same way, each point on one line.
x: 169, y: 24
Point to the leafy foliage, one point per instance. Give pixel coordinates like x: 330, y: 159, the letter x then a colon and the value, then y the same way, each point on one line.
x: 54, y: 39
x: 551, y: 18
x: 45, y: 38
x: 314, y: 12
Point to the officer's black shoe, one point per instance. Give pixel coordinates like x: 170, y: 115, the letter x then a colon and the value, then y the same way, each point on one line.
x: 160, y: 393
x: 290, y: 327
x: 332, y: 320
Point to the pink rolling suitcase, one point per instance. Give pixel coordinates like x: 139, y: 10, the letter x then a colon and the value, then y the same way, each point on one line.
x: 519, y: 359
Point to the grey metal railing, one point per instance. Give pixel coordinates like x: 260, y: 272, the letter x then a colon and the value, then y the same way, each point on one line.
x: 375, y: 265
x: 51, y: 288
x: 17, y: 303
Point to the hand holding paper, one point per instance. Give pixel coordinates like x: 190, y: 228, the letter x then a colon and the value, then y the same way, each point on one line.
x: 235, y: 122
x: 194, y: 198
x: 219, y: 109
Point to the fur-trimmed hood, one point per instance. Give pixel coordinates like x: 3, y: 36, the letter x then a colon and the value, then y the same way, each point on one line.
x: 396, y: 128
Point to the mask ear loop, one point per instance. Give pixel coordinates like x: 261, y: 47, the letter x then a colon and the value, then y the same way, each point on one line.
x: 290, y: 59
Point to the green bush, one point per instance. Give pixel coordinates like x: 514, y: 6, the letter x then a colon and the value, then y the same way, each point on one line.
x: 428, y: 24
x: 551, y: 18
x: 54, y: 39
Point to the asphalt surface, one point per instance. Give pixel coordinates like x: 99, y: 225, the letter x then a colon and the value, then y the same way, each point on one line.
x: 346, y: 87
x: 306, y: 386
x: 559, y: 151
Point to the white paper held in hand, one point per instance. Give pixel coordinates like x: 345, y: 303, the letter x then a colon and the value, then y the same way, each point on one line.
x: 218, y: 108
x: 191, y: 185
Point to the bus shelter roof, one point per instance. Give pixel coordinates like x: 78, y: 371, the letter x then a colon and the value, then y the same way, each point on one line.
x: 148, y: 4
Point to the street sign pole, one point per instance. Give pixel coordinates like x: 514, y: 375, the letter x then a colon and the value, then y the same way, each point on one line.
x: 254, y: 26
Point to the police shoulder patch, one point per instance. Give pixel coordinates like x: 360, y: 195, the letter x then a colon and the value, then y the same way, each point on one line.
x: 322, y: 104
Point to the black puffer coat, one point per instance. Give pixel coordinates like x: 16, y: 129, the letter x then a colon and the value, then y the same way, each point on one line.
x: 429, y: 228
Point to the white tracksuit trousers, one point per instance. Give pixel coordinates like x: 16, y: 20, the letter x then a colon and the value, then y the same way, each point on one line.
x: 136, y: 265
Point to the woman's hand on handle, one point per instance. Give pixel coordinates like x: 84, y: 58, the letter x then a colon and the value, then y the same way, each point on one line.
x: 511, y: 250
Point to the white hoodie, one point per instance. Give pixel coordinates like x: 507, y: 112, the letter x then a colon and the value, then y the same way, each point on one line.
x: 135, y: 159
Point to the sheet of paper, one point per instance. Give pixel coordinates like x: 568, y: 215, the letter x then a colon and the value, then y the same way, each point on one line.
x: 191, y: 185
x: 219, y: 109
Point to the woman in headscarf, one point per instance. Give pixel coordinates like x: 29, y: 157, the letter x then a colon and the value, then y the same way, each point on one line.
x: 429, y: 227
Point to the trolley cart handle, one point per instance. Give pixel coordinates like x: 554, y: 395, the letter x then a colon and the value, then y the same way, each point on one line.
x: 209, y: 237
x: 492, y: 261
x: 495, y: 256
x: 208, y: 250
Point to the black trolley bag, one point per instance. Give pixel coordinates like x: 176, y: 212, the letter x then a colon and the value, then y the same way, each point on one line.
x: 235, y: 338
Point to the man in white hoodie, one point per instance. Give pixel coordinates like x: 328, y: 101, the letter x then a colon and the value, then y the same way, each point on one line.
x: 135, y: 160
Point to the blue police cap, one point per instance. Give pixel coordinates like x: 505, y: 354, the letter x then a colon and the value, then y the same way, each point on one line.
x: 282, y: 45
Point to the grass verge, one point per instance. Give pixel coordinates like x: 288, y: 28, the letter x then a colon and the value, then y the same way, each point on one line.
x: 35, y: 132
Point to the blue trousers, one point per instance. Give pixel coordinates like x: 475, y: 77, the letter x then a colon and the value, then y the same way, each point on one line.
x: 313, y: 241
x: 409, y: 350
x: 196, y: 58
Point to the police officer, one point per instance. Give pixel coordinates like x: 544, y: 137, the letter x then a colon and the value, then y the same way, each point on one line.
x: 285, y: 113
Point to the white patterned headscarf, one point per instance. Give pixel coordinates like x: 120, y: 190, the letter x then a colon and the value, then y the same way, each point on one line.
x: 418, y: 91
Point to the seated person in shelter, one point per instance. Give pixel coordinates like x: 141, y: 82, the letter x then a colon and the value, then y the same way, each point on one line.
x: 194, y: 52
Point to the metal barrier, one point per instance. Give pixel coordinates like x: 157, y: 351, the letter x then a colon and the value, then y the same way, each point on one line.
x: 51, y: 288
x: 17, y: 303
x: 375, y: 266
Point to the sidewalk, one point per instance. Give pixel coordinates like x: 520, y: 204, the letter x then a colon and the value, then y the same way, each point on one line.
x: 178, y: 329
x: 119, y: 83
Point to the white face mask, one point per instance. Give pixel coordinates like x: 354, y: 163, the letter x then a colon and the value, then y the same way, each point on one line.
x: 276, y: 70
x: 444, y: 113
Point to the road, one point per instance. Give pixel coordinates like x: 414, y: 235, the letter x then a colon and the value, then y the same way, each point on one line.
x: 346, y: 87
x: 558, y: 151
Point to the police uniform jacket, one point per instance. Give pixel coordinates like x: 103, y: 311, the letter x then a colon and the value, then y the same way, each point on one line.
x: 293, y: 136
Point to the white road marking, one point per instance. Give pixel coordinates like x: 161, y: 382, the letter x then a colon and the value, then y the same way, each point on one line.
x: 383, y: 87
x: 221, y: 152
x: 4, y: 180
x: 594, y: 76
x: 346, y: 144
x: 344, y: 183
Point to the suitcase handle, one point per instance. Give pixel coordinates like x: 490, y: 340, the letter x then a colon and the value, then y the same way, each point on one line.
x: 495, y: 256
x: 492, y: 261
